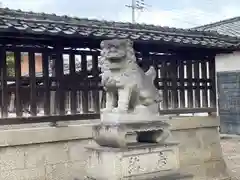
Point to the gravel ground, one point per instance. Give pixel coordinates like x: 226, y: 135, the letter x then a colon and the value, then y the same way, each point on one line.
x: 231, y: 151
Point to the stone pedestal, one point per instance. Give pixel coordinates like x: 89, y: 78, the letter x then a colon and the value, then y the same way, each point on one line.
x: 142, y: 161
x: 132, y: 147
x: 119, y: 130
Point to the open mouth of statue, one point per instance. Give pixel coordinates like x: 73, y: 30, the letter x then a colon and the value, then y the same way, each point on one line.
x: 113, y: 56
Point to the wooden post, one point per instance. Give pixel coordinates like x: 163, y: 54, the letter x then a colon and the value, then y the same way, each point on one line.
x: 17, y: 57
x: 4, y: 90
x: 48, y: 105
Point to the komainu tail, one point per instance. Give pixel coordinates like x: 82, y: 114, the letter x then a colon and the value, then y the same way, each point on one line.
x: 151, y: 73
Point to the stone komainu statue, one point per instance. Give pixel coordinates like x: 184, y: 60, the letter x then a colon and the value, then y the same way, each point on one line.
x: 128, y: 88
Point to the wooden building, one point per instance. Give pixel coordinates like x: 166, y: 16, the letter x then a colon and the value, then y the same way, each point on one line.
x: 184, y: 60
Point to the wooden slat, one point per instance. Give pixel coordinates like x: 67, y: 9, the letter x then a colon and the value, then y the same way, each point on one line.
x: 169, y: 84
x: 181, y: 89
x: 204, y: 77
x: 174, y: 64
x: 212, y: 76
x: 32, y: 76
x: 189, y: 84
x: 197, y: 84
x: 53, y: 97
x: 163, y: 73
x: 59, y: 75
x: 155, y: 65
x: 73, y: 93
x: 4, y: 89
x: 84, y: 93
x: 17, y: 57
x: 95, y: 73
x: 46, y: 83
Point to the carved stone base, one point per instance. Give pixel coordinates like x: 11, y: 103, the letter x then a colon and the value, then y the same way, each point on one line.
x: 116, y: 133
x: 135, y: 162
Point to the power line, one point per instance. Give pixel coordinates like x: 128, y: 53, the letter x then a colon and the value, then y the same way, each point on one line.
x: 140, y: 5
x: 137, y: 5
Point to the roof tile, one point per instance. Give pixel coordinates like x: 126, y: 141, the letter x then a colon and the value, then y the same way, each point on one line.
x: 229, y: 27
x: 51, y: 24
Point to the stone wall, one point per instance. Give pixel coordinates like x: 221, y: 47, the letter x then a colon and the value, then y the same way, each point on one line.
x: 58, y: 153
x: 199, y: 149
x: 44, y: 153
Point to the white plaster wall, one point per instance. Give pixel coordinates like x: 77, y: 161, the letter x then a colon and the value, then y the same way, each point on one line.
x: 228, y: 62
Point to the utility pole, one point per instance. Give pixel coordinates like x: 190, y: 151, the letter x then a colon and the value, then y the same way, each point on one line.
x: 136, y: 5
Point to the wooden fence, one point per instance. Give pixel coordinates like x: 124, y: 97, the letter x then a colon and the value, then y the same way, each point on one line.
x: 73, y: 91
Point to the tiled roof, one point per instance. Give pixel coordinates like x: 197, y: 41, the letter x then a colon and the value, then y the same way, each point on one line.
x: 51, y: 24
x: 230, y: 27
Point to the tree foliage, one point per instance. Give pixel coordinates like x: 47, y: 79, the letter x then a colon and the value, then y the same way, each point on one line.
x: 10, y: 64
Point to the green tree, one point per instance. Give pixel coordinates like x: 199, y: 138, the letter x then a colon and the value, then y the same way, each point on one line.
x: 10, y: 64
x: 10, y: 61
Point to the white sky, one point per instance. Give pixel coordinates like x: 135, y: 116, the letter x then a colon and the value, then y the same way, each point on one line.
x: 176, y: 13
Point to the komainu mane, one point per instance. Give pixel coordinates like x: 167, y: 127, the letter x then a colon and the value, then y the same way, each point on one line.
x: 128, y: 88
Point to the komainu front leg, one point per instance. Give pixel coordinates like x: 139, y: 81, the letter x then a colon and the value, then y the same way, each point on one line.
x: 110, y: 102
x: 123, y: 99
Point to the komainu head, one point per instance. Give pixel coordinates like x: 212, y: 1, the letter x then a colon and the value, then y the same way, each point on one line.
x: 117, y: 52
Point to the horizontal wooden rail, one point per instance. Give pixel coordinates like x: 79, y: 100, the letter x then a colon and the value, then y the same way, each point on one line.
x: 188, y: 111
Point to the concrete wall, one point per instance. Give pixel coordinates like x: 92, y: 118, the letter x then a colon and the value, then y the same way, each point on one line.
x: 58, y: 153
